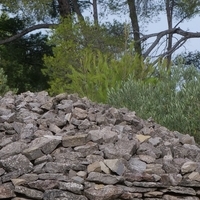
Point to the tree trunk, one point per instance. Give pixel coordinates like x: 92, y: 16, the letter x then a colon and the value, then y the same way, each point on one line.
x: 77, y: 10
x: 95, y: 12
x: 64, y: 8
x: 169, y: 11
x: 135, y: 26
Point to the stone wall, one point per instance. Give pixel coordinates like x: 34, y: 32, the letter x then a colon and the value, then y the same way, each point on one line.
x: 67, y: 148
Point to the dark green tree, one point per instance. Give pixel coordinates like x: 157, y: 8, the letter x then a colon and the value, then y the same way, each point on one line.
x: 22, y: 59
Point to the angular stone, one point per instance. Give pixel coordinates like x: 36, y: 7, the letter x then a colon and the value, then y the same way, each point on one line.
x: 94, y: 167
x: 169, y: 167
x: 134, y: 189
x: 18, y: 181
x: 53, y: 176
x: 2, y: 171
x: 35, y: 194
x: 29, y: 177
x: 103, y: 178
x: 149, y: 149
x: 187, y: 139
x: 27, y: 132
x: 67, y: 157
x: 17, y: 162
x: 78, y: 179
x: 71, y: 186
x: 137, y: 176
x: 171, y: 179
x: 56, y: 194
x: 106, y: 193
x: 55, y: 129
x: 11, y: 175
x: 79, y: 113
x: 44, y: 185
x: 12, y: 149
x: 104, y: 168
x: 85, y: 124
x: 155, y: 141
x: 82, y: 174
x: 76, y: 140
x: 143, y: 138
x: 153, y: 194
x: 93, y: 158
x: 194, y: 176
x: 147, y: 159
x: 87, y: 149
x: 182, y: 190
x: 125, y: 149
x: 189, y: 166
x: 135, y: 164
x: 154, y: 169
x: 116, y: 165
x: 41, y: 146
x: 6, y: 192
x: 108, y: 135
x: 171, y: 197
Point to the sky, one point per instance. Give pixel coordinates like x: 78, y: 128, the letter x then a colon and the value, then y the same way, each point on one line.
x: 161, y: 25
x: 191, y: 25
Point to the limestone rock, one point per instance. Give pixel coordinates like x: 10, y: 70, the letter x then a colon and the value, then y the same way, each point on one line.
x: 116, y: 165
x: 108, y: 192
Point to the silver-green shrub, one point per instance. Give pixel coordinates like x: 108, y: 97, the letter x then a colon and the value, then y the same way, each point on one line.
x: 173, y: 101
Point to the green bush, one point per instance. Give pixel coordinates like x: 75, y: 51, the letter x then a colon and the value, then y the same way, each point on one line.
x: 87, y: 60
x: 174, y: 101
x: 3, y: 82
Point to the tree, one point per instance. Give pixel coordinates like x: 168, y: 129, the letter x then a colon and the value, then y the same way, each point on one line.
x: 75, y: 46
x: 176, y: 11
x: 22, y: 59
x: 188, y: 59
x: 47, y: 11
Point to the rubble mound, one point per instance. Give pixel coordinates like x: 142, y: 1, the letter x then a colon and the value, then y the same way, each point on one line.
x: 69, y: 148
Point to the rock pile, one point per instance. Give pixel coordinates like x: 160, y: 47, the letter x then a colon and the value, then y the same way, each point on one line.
x: 68, y: 148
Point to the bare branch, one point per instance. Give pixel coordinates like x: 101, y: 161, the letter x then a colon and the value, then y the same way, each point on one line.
x: 186, y: 35
x: 25, y: 31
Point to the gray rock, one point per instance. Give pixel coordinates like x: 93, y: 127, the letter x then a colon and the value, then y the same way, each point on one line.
x: 71, y: 186
x: 106, y: 193
x: 106, y: 179
x: 12, y: 149
x: 188, y: 167
x: 56, y: 194
x: 6, y: 192
x: 41, y: 146
x: 73, y: 141
x: 65, y: 147
x: 17, y: 162
x: 135, y: 164
x: 35, y: 194
x: 116, y: 165
x: 44, y: 185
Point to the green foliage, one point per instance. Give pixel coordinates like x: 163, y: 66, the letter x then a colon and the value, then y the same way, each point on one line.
x: 98, y: 72
x: 22, y: 59
x: 3, y: 83
x: 87, y: 60
x: 189, y: 58
x: 173, y: 101
x: 73, y: 42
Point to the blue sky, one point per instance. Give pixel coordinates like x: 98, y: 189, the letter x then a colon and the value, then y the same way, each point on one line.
x: 191, y: 25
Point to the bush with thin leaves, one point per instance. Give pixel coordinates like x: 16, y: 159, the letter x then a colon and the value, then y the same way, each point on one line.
x: 174, y: 101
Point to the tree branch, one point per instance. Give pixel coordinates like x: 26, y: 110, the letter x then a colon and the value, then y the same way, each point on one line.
x: 186, y: 35
x: 25, y: 31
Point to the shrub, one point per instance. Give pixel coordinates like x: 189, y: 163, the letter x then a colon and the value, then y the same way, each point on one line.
x: 174, y: 101
x: 3, y: 82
